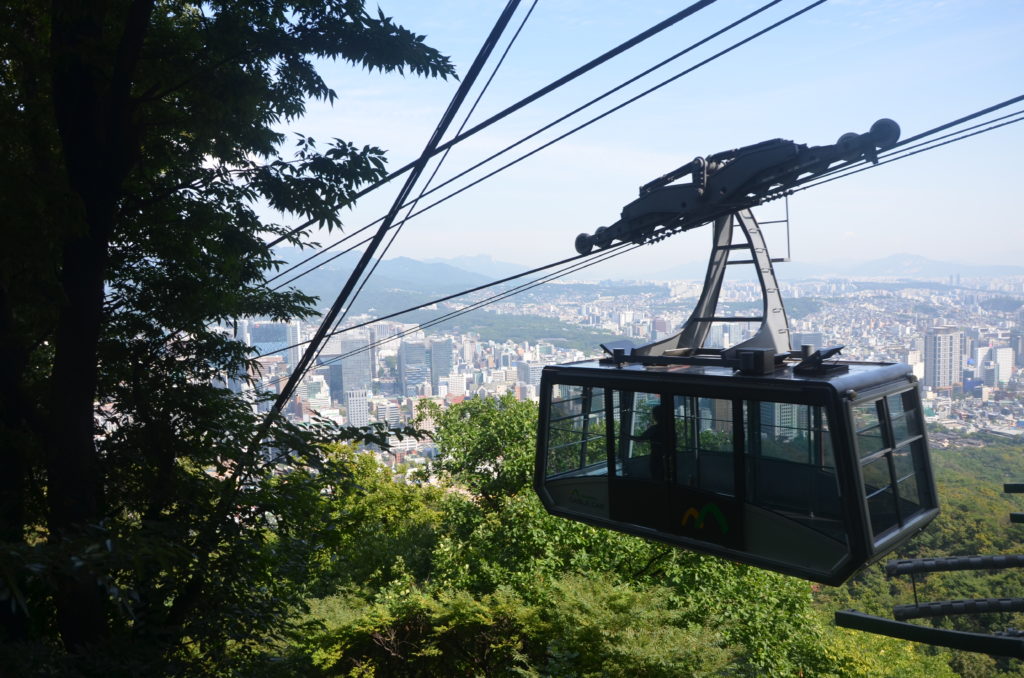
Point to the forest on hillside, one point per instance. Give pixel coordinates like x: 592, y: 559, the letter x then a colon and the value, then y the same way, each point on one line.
x: 469, y: 576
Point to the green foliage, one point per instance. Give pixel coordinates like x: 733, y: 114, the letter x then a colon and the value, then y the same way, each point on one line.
x: 584, y: 627
x: 974, y: 520
x: 508, y: 589
x: 486, y: 444
x: 143, y: 530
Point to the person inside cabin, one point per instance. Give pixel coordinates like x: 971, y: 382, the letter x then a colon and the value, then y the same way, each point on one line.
x: 659, y: 437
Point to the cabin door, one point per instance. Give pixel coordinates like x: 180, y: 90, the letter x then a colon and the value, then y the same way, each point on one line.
x: 641, y: 450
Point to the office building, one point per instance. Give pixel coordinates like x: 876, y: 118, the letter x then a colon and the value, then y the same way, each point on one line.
x: 440, y: 362
x: 357, y: 406
x: 943, y: 357
x: 412, y: 366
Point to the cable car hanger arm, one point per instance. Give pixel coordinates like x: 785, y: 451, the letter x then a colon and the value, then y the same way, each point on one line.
x: 729, y: 181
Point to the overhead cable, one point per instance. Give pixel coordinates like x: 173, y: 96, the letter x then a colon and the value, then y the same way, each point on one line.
x: 412, y: 205
x: 597, y: 257
x: 917, y: 141
x: 591, y: 121
x: 525, y: 101
x: 929, y: 144
x: 441, y: 300
x: 921, y: 148
x: 429, y: 150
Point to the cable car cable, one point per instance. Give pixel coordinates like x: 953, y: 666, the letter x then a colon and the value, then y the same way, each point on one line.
x: 546, y: 127
x: 603, y: 255
x: 377, y: 221
x: 927, y: 133
x: 885, y: 160
x: 958, y: 121
x: 451, y: 315
x: 615, y: 251
x: 525, y: 101
x: 535, y: 283
x: 591, y: 121
x: 485, y: 50
x: 412, y: 205
x: 922, y: 147
x: 455, y: 295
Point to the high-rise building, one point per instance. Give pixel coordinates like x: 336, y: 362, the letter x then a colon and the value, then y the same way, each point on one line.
x: 318, y: 394
x: 529, y: 372
x: 1017, y: 344
x: 994, y: 365
x: 294, y: 337
x: 468, y: 350
x: 356, y: 368
x: 392, y: 414
x: 412, y: 365
x: 1003, y: 356
x: 357, y: 405
x: 457, y: 385
x: 268, y: 338
x: 440, y: 361
x: 943, y: 356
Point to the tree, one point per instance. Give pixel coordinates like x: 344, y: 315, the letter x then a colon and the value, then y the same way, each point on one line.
x: 512, y: 590
x: 485, y: 444
x: 140, y: 139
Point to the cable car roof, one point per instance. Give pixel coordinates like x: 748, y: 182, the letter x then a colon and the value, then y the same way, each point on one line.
x: 859, y: 377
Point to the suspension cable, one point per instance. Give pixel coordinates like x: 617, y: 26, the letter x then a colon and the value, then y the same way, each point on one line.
x: 525, y: 101
x: 598, y: 257
x: 917, y: 138
x: 432, y: 144
x: 398, y: 228
x: 586, y: 124
x: 904, y: 152
x: 892, y: 157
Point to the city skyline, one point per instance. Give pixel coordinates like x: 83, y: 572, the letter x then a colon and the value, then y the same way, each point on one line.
x: 965, y: 345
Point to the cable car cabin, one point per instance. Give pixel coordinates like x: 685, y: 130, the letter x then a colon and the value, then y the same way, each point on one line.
x: 813, y: 475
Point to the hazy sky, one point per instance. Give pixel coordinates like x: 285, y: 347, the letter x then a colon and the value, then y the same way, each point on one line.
x: 833, y: 70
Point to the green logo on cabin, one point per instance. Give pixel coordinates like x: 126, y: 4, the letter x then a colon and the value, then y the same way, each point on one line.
x: 700, y: 517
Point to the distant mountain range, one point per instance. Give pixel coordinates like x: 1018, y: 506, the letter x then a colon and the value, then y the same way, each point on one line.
x: 397, y: 283
x: 482, y: 264
x: 403, y: 282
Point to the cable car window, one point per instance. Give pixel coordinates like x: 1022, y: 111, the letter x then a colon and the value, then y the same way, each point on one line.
x: 577, y: 432
x: 785, y: 433
x: 894, y: 474
x: 641, y: 440
x: 876, y: 475
x: 791, y: 466
x: 714, y: 450
x: 903, y: 463
x: 868, y: 428
x: 908, y: 468
x: 685, y: 457
x: 882, y: 509
x: 903, y: 416
x: 910, y: 496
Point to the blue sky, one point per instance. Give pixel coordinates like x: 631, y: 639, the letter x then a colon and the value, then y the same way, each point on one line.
x: 833, y: 70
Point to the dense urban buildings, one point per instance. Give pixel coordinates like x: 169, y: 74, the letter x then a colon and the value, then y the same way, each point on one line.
x: 963, y: 341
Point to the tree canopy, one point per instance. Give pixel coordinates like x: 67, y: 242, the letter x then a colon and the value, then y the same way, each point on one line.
x: 143, y: 140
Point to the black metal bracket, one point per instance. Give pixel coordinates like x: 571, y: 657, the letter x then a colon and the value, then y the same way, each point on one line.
x: 999, y: 645
x: 746, y: 361
x: 815, y: 362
